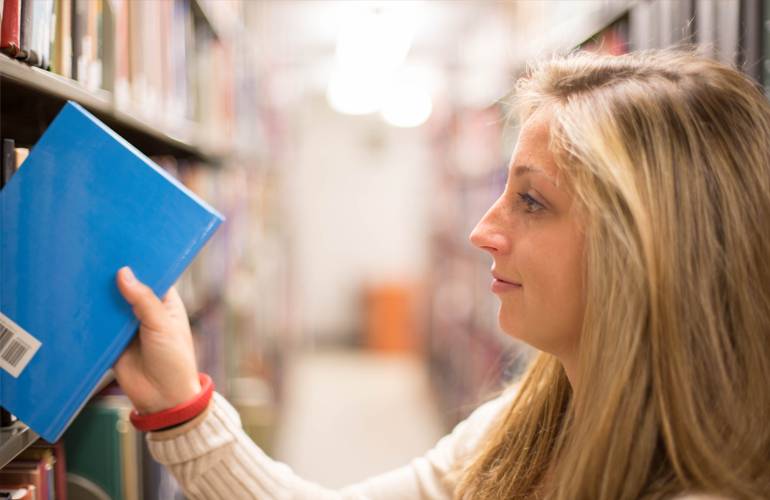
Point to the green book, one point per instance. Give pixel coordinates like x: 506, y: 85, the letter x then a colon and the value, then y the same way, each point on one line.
x: 102, y: 447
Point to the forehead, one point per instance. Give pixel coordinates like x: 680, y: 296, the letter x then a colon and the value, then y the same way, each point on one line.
x: 532, y: 146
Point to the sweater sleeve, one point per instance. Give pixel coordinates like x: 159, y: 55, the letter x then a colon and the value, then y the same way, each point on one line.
x: 212, y: 458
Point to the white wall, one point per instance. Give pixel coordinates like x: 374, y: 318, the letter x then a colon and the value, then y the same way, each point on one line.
x: 356, y: 193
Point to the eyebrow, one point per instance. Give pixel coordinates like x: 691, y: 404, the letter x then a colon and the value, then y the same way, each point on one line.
x: 520, y: 170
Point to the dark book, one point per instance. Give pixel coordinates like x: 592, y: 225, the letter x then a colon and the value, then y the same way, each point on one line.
x: 8, y: 166
x: 27, y: 34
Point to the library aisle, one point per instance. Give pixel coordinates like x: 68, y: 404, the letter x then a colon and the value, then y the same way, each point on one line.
x: 351, y: 414
x: 350, y: 148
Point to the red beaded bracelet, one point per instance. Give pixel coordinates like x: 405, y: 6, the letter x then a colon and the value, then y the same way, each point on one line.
x: 179, y: 413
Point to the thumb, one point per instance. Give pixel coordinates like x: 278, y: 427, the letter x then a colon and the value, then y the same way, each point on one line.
x: 147, y: 307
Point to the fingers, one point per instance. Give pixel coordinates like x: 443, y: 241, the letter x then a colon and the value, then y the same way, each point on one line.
x: 172, y: 297
x: 128, y: 360
x: 147, y: 307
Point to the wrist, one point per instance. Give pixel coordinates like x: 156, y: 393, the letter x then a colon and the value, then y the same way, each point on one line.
x: 192, y: 389
x: 179, y: 413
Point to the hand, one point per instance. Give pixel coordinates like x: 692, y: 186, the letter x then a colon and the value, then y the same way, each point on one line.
x: 158, y: 370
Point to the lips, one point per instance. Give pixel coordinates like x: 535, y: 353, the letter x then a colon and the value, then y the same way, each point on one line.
x: 503, y: 280
x: 501, y: 285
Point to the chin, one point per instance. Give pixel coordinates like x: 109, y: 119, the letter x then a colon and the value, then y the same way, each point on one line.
x: 511, y: 326
x: 518, y: 330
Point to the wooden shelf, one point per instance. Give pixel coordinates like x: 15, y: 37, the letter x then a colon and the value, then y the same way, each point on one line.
x: 18, y: 437
x: 31, y: 97
x: 14, y: 440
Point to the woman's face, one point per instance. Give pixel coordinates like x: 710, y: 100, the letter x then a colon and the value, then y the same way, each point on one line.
x: 534, y: 238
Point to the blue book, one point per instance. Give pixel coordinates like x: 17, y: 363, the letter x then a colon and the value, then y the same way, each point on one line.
x: 84, y: 203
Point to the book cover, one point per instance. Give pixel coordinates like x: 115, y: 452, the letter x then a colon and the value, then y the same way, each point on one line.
x: 85, y: 204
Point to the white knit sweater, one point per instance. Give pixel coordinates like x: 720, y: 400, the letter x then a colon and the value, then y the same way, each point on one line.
x: 213, y: 459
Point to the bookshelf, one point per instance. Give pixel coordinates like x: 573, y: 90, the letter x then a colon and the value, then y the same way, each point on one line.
x: 14, y: 440
x: 188, y: 105
x: 23, y: 84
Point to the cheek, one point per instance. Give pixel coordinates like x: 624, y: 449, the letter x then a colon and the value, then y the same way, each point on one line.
x: 547, y: 313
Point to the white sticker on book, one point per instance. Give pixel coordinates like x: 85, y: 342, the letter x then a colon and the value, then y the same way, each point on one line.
x: 17, y: 346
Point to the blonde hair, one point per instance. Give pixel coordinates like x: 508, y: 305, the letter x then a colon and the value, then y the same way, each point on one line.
x: 668, y: 154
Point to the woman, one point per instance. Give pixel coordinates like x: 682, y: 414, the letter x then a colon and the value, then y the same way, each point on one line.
x: 630, y: 247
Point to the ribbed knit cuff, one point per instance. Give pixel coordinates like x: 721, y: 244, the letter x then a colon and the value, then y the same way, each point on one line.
x: 210, y: 430
x: 213, y: 459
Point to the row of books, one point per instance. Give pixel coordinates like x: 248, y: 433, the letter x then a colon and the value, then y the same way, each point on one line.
x: 100, y: 457
x: 35, y: 31
x: 26, y: 30
x: 38, y: 473
x: 154, y: 59
x: 733, y: 31
x: 159, y: 62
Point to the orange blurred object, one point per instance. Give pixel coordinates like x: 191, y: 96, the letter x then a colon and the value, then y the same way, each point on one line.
x: 389, y: 318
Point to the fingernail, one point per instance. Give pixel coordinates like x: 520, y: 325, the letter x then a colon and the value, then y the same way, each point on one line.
x: 128, y: 276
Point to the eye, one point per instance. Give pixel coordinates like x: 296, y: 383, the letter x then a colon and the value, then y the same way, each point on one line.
x: 531, y: 204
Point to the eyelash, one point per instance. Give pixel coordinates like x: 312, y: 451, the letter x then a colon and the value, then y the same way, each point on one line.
x: 530, y: 202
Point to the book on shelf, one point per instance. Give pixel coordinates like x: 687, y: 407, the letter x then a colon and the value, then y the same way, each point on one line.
x: 155, y: 58
x: 35, y: 32
x: 36, y: 472
x: 18, y: 492
x: 85, y: 204
x: 27, y: 30
x: 103, y: 448
x: 49, y: 459
x: 10, y: 26
x: 8, y: 164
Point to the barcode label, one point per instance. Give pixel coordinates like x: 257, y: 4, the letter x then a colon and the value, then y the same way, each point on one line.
x: 17, y: 346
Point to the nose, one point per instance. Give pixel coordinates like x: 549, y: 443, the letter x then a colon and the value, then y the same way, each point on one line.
x: 488, y: 234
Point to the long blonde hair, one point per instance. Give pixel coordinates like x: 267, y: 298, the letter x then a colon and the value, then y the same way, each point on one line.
x: 668, y: 155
